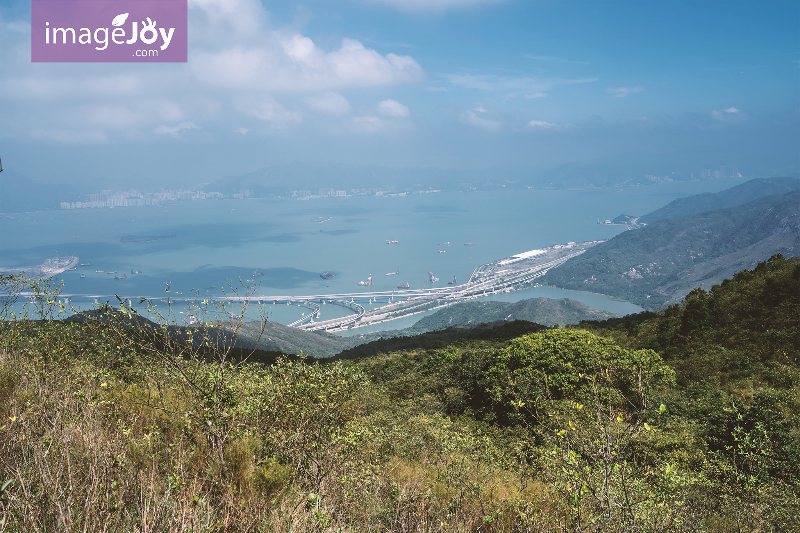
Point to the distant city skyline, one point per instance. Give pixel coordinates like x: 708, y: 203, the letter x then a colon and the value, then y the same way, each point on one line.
x: 455, y: 84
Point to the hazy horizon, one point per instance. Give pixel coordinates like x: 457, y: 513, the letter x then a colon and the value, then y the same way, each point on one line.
x: 450, y: 84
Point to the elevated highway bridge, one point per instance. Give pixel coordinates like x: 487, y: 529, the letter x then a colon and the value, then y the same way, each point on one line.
x: 504, y: 275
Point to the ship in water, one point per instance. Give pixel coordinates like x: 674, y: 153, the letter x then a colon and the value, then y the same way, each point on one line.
x: 367, y: 283
x: 209, y: 288
x: 135, y: 271
x: 111, y: 272
x: 100, y: 271
x: 392, y: 242
x: 327, y: 275
x: 406, y: 286
x: 392, y: 273
x: 121, y: 277
x: 469, y: 244
x: 444, y: 243
x: 83, y: 275
x: 442, y: 251
x: 432, y: 278
x: 453, y: 282
x: 256, y: 273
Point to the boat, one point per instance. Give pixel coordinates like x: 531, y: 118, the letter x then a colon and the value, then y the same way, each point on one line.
x: 257, y: 273
x: 100, y: 271
x: 83, y: 275
x: 327, y: 275
x: 442, y: 251
x: 121, y: 277
x: 406, y: 286
x: 209, y: 288
x: 432, y: 278
x: 85, y: 265
x: 367, y: 283
x: 392, y: 273
x: 392, y: 242
x: 454, y: 282
x: 135, y: 271
x: 444, y: 243
x: 111, y: 272
x: 469, y: 244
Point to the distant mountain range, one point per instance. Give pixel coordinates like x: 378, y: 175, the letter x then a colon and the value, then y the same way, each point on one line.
x: 741, y: 194
x: 18, y: 194
x: 278, y: 180
x: 662, y: 262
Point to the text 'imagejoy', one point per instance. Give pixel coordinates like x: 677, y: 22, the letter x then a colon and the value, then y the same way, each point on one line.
x: 109, y: 31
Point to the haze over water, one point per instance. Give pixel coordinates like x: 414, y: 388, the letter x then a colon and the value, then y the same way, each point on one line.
x: 217, y: 241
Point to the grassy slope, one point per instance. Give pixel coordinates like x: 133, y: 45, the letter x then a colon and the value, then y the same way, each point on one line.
x: 104, y: 431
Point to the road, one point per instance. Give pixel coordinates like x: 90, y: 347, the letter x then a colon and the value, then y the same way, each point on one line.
x: 503, y: 275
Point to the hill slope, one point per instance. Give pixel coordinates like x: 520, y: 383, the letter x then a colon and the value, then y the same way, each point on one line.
x: 741, y: 194
x: 663, y: 261
x: 545, y: 311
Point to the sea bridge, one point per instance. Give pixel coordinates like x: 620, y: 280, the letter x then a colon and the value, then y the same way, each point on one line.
x: 504, y: 275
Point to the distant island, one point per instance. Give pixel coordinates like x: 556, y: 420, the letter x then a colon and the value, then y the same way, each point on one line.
x: 145, y: 238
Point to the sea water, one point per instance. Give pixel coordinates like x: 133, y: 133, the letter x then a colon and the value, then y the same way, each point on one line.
x: 223, y: 243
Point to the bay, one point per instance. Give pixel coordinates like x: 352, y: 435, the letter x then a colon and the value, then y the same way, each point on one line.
x: 223, y: 243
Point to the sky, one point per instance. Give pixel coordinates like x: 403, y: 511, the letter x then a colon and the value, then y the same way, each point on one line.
x: 415, y: 83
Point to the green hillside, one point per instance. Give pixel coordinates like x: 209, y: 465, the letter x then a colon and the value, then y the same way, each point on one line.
x: 663, y: 261
x: 682, y: 420
x: 544, y: 311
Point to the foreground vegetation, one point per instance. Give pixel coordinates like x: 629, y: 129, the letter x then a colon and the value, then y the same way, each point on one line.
x: 682, y: 420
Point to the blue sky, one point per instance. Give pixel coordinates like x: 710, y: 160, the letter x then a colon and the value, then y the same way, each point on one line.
x: 434, y: 83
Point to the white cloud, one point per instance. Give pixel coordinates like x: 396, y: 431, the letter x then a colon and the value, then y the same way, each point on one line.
x: 239, y: 60
x: 241, y: 131
x: 392, y: 108
x: 523, y: 85
x: 535, y: 95
x: 292, y: 62
x: 728, y: 116
x: 329, y: 102
x: 265, y: 107
x: 174, y: 130
x: 540, y: 124
x: 369, y: 124
x: 622, y: 92
x: 482, y: 118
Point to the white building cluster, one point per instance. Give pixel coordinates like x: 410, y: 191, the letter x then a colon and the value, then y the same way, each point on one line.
x: 137, y: 199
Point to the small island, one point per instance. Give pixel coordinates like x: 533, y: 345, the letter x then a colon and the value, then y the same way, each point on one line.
x: 145, y: 238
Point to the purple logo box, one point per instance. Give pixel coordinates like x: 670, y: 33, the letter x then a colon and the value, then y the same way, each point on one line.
x: 109, y: 31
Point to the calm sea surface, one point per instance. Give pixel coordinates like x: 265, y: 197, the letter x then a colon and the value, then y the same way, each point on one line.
x: 217, y: 242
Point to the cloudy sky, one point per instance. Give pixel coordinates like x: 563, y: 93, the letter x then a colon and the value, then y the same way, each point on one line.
x: 434, y: 83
